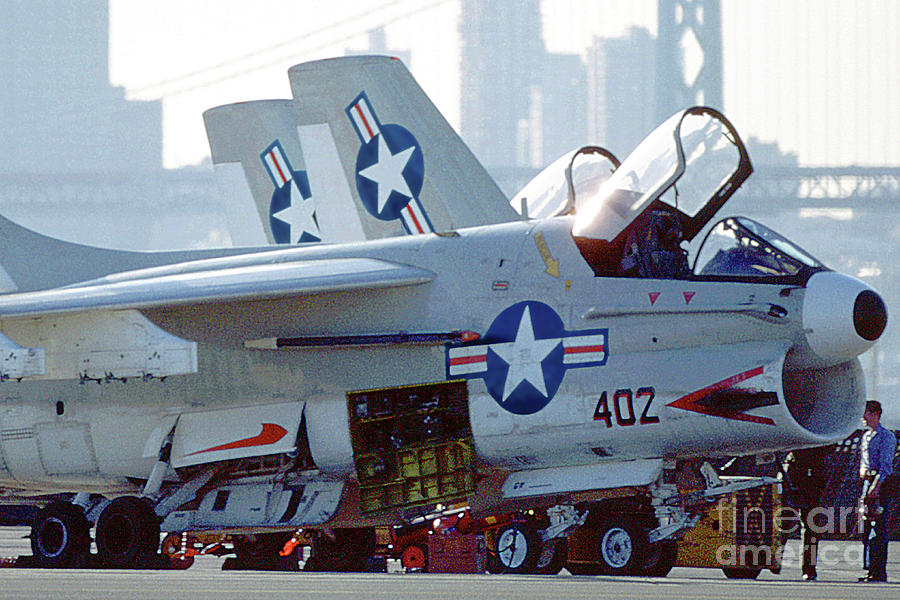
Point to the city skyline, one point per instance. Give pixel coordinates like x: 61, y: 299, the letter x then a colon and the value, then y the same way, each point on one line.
x: 818, y: 78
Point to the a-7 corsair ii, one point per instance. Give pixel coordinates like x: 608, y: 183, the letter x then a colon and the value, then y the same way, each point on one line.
x: 577, y: 365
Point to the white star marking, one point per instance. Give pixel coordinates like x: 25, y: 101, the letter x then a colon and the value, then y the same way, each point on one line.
x: 387, y: 172
x: 524, y: 356
x: 298, y: 215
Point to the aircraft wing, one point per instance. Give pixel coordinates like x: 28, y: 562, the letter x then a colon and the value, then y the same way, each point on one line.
x: 227, y: 283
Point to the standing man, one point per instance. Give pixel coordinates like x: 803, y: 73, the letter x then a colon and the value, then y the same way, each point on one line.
x: 806, y: 479
x: 876, y: 464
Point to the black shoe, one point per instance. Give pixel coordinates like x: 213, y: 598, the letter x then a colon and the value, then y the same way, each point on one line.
x: 873, y: 579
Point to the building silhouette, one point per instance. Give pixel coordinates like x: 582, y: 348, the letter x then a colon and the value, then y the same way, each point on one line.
x: 621, y: 73
x: 502, y: 56
x: 58, y: 112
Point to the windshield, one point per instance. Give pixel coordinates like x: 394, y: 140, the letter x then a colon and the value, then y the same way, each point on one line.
x: 692, y: 163
x: 741, y: 247
x: 561, y: 187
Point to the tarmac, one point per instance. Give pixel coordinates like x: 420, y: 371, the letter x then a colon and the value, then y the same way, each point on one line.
x: 838, y: 571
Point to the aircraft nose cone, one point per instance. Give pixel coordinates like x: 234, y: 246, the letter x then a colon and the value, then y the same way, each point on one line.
x: 869, y: 315
x: 842, y: 316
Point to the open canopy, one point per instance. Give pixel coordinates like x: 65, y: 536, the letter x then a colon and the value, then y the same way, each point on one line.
x: 563, y: 186
x: 691, y: 164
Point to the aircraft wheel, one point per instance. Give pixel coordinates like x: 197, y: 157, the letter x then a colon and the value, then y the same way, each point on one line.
x: 414, y: 557
x: 553, y: 557
x: 60, y: 536
x: 128, y: 534
x: 622, y: 546
x: 518, y: 549
x: 660, y: 559
x: 739, y: 573
x: 350, y: 550
x: 261, y: 553
x: 581, y: 568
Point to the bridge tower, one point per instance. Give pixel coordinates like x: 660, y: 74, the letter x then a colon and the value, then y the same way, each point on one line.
x: 688, y: 55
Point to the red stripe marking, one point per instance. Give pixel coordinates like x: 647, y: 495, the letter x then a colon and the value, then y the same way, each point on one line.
x: 579, y: 349
x: 277, y: 167
x: 412, y: 215
x: 466, y: 360
x: 271, y: 433
x: 362, y: 118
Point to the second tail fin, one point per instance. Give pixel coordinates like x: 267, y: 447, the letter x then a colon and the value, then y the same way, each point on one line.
x: 265, y: 182
x: 359, y: 153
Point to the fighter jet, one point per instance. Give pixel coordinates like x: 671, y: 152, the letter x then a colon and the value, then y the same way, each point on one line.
x: 580, y: 365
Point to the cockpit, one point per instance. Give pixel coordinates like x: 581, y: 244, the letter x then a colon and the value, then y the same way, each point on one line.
x: 738, y: 247
x: 638, y: 218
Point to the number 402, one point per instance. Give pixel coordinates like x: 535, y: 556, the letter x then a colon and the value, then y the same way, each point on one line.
x: 623, y: 406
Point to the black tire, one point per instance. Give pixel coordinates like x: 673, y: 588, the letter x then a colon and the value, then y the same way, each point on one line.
x: 60, y: 536
x: 660, y: 558
x: 518, y: 549
x: 128, y: 534
x: 583, y: 568
x: 740, y: 573
x: 621, y: 546
x: 261, y: 553
x: 558, y: 554
x: 351, y: 550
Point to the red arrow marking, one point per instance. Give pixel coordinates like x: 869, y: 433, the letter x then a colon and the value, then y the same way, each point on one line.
x: 689, y: 402
x: 688, y: 296
x: 270, y: 434
x: 653, y: 297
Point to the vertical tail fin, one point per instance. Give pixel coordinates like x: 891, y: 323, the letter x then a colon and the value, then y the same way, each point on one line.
x: 359, y: 153
x: 269, y: 193
x: 404, y: 161
x: 237, y: 133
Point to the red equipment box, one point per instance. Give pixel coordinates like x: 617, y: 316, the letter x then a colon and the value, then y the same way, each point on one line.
x: 454, y: 553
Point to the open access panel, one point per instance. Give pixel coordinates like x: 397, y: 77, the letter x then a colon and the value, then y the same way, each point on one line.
x: 412, y: 445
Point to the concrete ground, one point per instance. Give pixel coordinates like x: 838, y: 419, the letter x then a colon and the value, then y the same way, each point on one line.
x: 838, y: 571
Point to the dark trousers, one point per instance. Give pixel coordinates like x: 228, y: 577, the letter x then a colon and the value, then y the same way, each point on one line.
x: 809, y: 542
x: 875, y: 540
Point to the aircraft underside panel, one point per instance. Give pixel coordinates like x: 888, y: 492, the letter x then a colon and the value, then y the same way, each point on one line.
x: 541, y: 482
x: 260, y: 504
x: 18, y: 361
x: 97, y: 346
x: 235, y: 433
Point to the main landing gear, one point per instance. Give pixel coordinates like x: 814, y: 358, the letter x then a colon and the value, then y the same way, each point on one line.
x: 127, y: 536
x: 621, y: 546
x: 60, y: 536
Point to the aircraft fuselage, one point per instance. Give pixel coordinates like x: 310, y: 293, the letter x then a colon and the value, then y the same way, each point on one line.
x: 590, y: 368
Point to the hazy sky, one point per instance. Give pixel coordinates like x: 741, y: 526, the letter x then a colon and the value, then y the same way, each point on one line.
x: 820, y: 77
